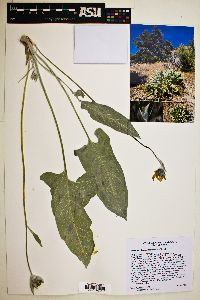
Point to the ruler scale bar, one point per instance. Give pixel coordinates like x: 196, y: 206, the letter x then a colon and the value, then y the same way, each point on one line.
x: 30, y: 13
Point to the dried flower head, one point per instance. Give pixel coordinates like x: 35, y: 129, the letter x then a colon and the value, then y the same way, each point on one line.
x: 29, y: 47
x: 35, y: 282
x: 159, y: 174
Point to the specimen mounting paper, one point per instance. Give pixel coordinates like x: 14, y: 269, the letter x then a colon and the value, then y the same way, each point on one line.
x: 152, y: 206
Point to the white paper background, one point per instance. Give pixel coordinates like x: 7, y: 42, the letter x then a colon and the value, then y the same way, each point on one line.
x: 169, y: 204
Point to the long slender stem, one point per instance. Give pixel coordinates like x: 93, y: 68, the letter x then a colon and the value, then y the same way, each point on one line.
x: 46, y: 69
x: 158, y: 159
x: 25, y: 75
x: 65, y: 74
x: 52, y: 111
x: 69, y: 98
x: 24, y: 167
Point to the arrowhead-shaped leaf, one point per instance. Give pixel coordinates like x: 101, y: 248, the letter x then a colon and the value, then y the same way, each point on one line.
x: 100, y: 162
x: 68, y: 201
x: 110, y: 117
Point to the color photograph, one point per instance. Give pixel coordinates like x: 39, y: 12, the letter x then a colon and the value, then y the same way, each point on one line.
x: 162, y: 73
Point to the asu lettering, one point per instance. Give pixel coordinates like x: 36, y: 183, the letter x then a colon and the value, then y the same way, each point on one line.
x: 90, y: 12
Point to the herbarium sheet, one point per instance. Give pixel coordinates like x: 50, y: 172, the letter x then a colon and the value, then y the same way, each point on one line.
x: 81, y: 179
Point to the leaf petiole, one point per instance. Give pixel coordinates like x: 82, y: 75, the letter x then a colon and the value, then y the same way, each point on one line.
x: 52, y: 112
x: 69, y: 98
x: 46, y: 69
x: 64, y: 74
x: 25, y: 75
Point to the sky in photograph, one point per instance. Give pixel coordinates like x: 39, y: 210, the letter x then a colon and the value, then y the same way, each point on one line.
x: 177, y: 35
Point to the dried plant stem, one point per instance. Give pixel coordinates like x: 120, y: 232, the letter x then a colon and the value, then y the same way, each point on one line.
x: 52, y: 111
x: 69, y: 98
x: 24, y: 167
x: 147, y: 147
x: 65, y: 74
x: 46, y: 69
x: 25, y: 75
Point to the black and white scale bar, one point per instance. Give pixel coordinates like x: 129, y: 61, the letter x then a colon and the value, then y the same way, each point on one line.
x: 31, y: 13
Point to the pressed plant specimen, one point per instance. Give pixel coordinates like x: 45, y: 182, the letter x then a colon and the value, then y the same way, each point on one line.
x: 103, y: 175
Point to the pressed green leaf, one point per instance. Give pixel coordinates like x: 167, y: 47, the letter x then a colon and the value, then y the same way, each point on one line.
x: 110, y: 117
x: 86, y: 189
x: 100, y: 162
x: 36, y: 237
x: 73, y: 223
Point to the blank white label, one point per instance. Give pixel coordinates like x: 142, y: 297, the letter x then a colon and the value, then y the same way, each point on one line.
x: 101, y: 44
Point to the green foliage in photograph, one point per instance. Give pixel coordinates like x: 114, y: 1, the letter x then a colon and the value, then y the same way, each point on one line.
x: 132, y: 57
x: 180, y: 114
x: 152, y: 47
x: 165, y: 84
x: 186, y: 56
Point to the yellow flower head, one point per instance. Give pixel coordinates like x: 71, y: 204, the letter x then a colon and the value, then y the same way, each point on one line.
x: 159, y: 174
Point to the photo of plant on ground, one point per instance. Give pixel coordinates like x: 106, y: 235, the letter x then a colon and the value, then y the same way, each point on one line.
x: 162, y: 73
